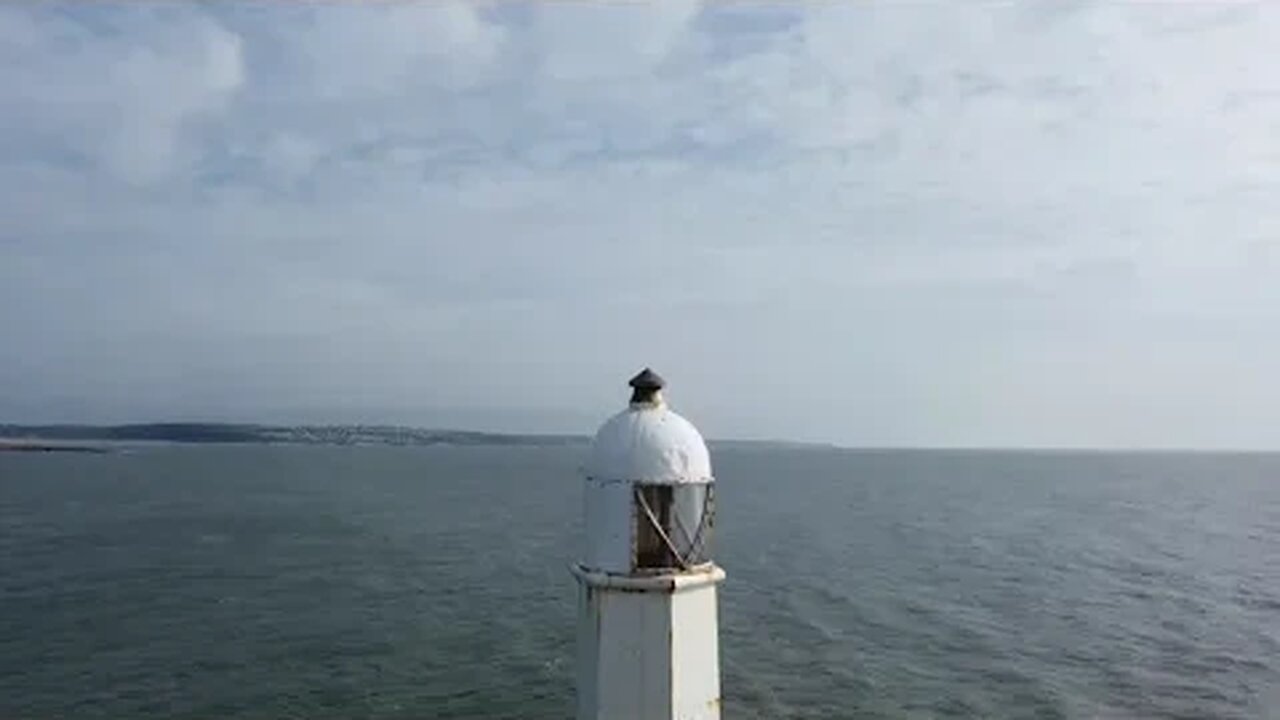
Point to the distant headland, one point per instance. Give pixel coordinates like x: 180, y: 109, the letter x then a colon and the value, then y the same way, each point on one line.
x: 44, y: 446
x: 91, y: 438
x: 66, y: 437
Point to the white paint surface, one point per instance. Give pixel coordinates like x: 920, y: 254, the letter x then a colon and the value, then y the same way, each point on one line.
x: 648, y: 648
x: 609, y: 525
x: 695, y: 654
x: 650, y: 443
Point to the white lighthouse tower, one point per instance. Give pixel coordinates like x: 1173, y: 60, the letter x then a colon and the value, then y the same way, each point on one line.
x: 648, y: 640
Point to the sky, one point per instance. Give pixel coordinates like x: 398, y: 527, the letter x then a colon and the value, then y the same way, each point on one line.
x: 938, y: 224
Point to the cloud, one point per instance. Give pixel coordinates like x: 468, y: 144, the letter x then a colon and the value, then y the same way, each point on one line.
x: 577, y: 43
x: 348, y: 53
x: 923, y: 214
x: 124, y: 96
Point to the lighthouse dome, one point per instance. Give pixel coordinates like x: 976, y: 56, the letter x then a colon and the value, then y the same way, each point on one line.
x: 649, y: 489
x: 650, y: 443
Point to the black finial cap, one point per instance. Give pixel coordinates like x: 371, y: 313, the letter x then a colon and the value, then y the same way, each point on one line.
x: 647, y: 380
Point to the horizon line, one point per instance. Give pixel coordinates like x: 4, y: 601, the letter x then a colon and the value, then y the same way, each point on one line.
x: 586, y: 436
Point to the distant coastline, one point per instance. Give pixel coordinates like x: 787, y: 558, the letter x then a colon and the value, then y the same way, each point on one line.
x: 66, y: 437
x: 81, y: 438
x: 43, y: 446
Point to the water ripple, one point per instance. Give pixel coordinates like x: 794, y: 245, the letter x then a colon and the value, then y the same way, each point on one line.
x: 253, y: 582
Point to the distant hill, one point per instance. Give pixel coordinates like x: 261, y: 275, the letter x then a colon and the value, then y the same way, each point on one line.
x: 300, y: 434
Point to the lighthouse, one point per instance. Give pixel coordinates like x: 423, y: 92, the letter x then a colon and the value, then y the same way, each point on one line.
x: 648, y: 638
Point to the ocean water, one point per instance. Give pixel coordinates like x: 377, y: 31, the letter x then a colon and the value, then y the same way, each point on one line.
x: 373, y: 582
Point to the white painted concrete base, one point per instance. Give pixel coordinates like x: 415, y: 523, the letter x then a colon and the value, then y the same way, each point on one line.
x: 648, y: 647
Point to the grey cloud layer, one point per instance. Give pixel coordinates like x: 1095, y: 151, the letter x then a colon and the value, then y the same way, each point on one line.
x: 1013, y: 225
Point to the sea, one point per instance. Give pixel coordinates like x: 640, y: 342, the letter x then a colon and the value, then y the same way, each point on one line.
x: 264, y: 581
